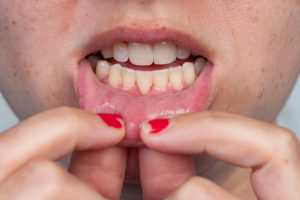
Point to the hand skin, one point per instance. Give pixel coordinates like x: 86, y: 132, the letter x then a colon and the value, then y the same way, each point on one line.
x: 28, y: 152
x: 97, y: 167
x: 272, y: 152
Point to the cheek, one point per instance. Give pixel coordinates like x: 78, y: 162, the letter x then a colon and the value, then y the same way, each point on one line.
x: 30, y: 89
x: 259, y: 94
x: 30, y: 70
x: 259, y: 73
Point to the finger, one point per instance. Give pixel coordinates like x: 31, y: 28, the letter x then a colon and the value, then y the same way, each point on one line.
x: 161, y: 174
x: 200, y: 188
x: 104, y: 169
x: 234, y: 139
x: 272, y: 152
x: 54, y: 134
x: 42, y: 179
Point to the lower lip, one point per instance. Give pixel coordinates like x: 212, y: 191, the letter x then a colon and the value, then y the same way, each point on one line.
x: 99, y: 98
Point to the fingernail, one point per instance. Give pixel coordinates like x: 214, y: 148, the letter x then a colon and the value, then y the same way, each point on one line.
x: 157, y: 125
x: 112, y: 120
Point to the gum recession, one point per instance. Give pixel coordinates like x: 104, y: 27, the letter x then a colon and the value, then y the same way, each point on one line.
x: 99, y: 98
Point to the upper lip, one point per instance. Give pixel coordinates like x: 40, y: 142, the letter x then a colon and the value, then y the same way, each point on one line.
x: 146, y: 35
x: 94, y: 96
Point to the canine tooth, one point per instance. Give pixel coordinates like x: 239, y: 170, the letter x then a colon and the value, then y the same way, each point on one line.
x: 107, y: 52
x: 164, y: 53
x: 93, y: 60
x: 183, y: 53
x: 189, y: 75
x: 144, y: 81
x: 102, y: 69
x: 114, y: 77
x: 160, y: 79
x: 140, y: 54
x: 120, y: 52
x: 128, y: 76
x: 199, y: 64
x: 175, y: 77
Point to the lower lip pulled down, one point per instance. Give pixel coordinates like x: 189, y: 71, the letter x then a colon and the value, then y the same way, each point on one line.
x: 98, y: 97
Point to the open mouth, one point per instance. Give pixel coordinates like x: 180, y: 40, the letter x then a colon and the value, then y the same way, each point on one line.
x: 142, y: 74
x: 146, y: 69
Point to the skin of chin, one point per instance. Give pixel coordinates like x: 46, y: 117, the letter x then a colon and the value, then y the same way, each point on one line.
x: 255, y: 47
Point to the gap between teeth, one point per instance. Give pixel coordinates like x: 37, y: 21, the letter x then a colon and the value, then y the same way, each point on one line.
x: 126, y: 78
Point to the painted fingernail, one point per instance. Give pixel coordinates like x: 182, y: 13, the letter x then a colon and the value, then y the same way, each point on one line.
x: 158, y: 125
x: 112, y: 120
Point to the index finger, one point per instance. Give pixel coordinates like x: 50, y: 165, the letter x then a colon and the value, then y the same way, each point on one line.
x: 234, y: 139
x: 271, y: 151
x: 56, y: 133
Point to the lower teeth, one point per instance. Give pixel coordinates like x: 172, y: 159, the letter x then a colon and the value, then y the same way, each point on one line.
x: 126, y: 78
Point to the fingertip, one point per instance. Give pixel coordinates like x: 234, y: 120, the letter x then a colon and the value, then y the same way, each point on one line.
x: 154, y: 132
x: 155, y: 126
x: 112, y: 120
x: 104, y: 130
x: 148, y: 132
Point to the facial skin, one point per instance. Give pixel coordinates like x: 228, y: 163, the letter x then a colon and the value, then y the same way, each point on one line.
x: 255, y: 48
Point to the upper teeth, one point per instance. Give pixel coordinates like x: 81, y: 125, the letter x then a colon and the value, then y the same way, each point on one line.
x: 145, y: 54
x: 126, y: 78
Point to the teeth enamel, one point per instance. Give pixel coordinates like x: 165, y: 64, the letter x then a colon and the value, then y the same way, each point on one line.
x: 114, y: 77
x: 189, y: 75
x: 164, y: 53
x: 140, y: 54
x: 183, y: 53
x: 144, y: 81
x: 102, y: 69
x: 143, y: 55
x: 107, y: 52
x: 199, y: 64
x: 175, y: 77
x: 120, y: 52
x: 128, y: 77
x: 160, y: 79
x: 93, y: 60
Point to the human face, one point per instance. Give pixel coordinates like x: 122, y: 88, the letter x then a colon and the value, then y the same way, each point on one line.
x: 252, y: 50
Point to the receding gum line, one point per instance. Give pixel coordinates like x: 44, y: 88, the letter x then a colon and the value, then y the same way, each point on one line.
x: 157, y: 86
x: 116, y: 58
x: 96, y: 97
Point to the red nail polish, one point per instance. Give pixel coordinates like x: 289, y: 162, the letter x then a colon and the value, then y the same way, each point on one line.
x: 111, y: 119
x: 158, y: 125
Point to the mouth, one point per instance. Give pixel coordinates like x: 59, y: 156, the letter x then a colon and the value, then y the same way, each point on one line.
x: 142, y: 74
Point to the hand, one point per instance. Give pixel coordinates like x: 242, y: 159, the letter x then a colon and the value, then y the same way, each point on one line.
x: 272, y: 152
x: 28, y: 152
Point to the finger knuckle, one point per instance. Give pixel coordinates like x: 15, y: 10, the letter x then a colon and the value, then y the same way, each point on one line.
x: 206, y: 185
x: 198, y: 185
x: 45, y: 175
x: 285, y: 138
x: 285, y: 147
